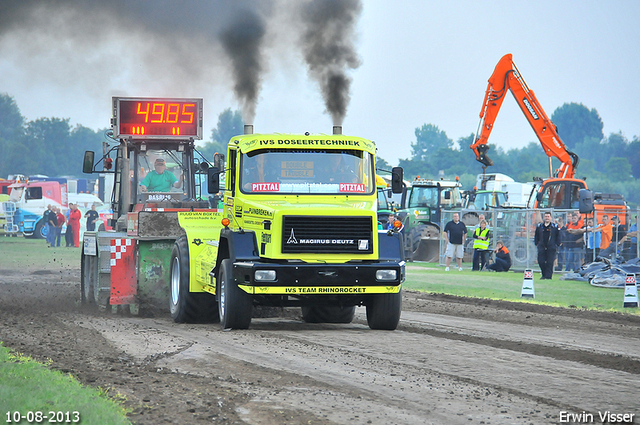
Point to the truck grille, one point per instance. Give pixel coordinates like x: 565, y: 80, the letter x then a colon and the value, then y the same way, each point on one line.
x: 313, y: 234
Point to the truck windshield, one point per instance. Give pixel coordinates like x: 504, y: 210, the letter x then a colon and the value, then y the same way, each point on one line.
x: 309, y: 171
x: 486, y: 200
x: 426, y: 197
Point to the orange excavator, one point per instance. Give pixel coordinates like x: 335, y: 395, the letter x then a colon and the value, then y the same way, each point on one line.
x: 561, y: 189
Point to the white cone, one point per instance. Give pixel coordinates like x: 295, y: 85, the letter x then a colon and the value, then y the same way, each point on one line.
x: 630, y: 291
x: 528, y: 290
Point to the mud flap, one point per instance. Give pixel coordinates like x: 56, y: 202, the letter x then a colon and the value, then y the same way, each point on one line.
x: 123, y: 271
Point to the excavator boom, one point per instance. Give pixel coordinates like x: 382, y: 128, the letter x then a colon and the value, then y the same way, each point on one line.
x: 506, y: 76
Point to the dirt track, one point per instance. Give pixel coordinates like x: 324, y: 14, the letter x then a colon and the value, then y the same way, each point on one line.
x: 452, y: 361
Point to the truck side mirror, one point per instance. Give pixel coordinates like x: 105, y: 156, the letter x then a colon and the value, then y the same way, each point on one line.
x: 87, y: 163
x: 585, y: 197
x: 447, y: 195
x: 213, y: 180
x: 397, y: 177
x: 539, y: 196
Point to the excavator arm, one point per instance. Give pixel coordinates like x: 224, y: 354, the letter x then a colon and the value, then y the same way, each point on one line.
x: 506, y: 76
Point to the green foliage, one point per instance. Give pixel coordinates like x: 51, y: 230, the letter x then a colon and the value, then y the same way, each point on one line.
x: 45, y: 146
x: 429, y: 139
x: 618, y: 169
x: 575, y: 122
x: 230, y: 124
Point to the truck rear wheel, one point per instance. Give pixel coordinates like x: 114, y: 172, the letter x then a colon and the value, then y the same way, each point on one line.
x: 185, y: 306
x: 327, y: 314
x: 89, y: 287
x: 383, y: 311
x: 235, y: 305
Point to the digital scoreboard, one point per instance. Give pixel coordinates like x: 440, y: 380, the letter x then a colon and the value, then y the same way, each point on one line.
x: 157, y: 118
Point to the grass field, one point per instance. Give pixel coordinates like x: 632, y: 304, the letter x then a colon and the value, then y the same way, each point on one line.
x: 24, y: 253
x: 28, y: 386
x: 430, y: 277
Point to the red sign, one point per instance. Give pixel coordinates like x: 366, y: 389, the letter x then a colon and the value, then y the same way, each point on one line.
x: 528, y: 274
x: 352, y: 187
x: 265, y: 187
x: 631, y: 278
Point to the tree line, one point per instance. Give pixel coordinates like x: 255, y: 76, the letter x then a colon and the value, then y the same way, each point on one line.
x: 51, y: 146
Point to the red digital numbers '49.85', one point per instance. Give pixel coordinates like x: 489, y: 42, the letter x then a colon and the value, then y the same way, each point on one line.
x: 153, y: 118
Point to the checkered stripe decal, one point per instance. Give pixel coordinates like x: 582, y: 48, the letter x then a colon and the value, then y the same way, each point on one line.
x: 118, y: 246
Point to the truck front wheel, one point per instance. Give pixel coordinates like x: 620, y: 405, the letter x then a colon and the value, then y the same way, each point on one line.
x: 235, y: 305
x: 185, y: 306
x: 383, y: 311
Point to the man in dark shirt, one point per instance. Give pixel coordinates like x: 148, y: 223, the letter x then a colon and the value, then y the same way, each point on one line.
x: 455, y: 233
x: 92, y: 217
x: 547, y: 239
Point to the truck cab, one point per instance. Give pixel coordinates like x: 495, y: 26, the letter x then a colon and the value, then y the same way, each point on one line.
x: 302, y: 230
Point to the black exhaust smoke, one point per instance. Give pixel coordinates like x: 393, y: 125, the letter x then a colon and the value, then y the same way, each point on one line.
x: 327, y: 43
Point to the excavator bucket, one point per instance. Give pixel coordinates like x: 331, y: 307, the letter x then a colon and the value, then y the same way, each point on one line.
x: 482, y: 156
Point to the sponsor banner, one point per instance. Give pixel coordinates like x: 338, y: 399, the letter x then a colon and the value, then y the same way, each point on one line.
x: 265, y: 187
x: 352, y: 187
x: 320, y: 290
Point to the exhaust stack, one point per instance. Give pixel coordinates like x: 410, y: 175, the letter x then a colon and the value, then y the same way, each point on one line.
x: 248, y: 129
x: 337, y: 129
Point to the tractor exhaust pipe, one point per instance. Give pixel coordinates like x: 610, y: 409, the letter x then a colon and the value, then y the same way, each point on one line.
x: 248, y: 129
x: 337, y: 129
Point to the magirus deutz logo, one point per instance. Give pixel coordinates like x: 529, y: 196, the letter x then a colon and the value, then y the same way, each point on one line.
x: 363, y: 244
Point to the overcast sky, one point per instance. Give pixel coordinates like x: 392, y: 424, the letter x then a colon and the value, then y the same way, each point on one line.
x: 422, y: 62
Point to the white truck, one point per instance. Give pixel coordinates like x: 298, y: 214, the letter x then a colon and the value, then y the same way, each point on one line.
x: 519, y: 195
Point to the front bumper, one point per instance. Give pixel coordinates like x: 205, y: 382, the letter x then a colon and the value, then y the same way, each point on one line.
x: 301, y: 279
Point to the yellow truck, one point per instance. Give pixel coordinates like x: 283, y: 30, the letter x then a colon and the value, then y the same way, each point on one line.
x: 298, y: 227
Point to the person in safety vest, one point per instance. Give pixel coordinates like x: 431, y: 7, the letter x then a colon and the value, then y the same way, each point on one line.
x: 481, y: 238
x: 503, y: 258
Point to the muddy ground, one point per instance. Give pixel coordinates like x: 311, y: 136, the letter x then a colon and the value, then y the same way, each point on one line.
x: 451, y: 361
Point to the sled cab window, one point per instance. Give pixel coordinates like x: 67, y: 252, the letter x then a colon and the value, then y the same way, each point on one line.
x: 33, y: 193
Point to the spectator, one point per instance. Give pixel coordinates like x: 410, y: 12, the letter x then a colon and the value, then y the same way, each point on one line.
x: 74, y: 222
x: 592, y: 238
x: 630, y: 241
x: 547, y: 239
x: 618, y: 233
x: 92, y: 217
x: 481, y: 239
x: 606, y: 232
x: 61, y: 221
x: 503, y: 258
x: 573, y: 243
x: 47, y: 224
x: 562, y: 249
x: 454, y: 233
x: 52, y: 220
x: 392, y: 218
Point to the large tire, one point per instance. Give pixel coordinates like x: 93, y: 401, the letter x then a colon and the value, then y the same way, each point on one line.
x: 327, y: 314
x: 89, y: 287
x: 235, y: 305
x: 383, y: 311
x: 185, y: 306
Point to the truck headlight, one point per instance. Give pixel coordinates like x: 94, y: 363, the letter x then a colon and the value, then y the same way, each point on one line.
x: 265, y: 275
x: 386, y: 275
